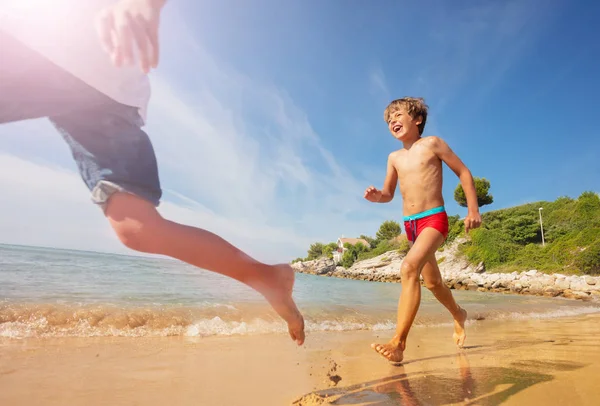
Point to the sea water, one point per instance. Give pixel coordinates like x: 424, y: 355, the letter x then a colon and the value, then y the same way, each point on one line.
x: 48, y: 292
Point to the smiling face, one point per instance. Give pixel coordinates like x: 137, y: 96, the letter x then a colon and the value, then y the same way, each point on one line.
x: 403, y: 126
x: 406, y: 118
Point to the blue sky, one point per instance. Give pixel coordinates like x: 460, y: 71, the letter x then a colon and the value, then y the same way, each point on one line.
x: 267, y: 117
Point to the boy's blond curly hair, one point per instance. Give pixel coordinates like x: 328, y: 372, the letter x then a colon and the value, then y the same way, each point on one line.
x: 415, y: 106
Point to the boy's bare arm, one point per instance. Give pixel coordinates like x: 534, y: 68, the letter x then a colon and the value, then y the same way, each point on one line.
x: 385, y: 195
x: 445, y: 153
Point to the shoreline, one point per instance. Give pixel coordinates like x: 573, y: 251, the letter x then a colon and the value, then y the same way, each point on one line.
x: 550, y: 361
x: 459, y: 274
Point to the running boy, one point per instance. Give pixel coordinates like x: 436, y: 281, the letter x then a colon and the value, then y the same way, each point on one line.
x: 418, y: 169
x: 53, y: 65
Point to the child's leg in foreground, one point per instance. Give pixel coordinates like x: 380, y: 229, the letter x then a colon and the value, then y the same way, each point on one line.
x: 108, y: 144
x: 428, y: 241
x: 434, y: 282
x: 140, y: 227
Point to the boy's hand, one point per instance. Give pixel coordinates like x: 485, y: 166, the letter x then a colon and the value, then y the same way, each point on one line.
x: 473, y: 220
x: 372, y: 194
x: 127, y: 24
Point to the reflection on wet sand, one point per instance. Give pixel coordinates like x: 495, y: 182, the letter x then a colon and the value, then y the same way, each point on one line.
x: 462, y: 385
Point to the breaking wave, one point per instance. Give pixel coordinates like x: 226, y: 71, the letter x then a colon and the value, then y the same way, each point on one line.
x: 51, y: 320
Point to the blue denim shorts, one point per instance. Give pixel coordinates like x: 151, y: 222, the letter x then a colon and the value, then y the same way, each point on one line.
x: 112, y: 152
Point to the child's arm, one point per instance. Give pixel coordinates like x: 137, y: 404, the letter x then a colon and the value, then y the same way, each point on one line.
x: 389, y: 185
x: 130, y: 27
x: 443, y: 151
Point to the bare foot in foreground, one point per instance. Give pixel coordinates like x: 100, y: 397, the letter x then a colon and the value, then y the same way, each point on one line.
x: 459, y: 329
x: 390, y: 351
x: 279, y: 294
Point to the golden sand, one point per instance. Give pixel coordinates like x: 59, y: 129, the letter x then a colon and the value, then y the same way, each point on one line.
x: 535, y: 362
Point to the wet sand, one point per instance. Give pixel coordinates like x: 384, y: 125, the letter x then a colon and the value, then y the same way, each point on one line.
x: 549, y: 362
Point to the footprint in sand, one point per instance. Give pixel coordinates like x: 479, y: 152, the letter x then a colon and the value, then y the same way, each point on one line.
x: 334, y: 378
x: 312, y: 400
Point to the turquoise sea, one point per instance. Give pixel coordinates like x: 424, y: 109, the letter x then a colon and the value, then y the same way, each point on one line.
x: 48, y: 292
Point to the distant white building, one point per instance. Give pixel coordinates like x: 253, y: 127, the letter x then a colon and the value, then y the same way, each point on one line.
x: 339, y: 252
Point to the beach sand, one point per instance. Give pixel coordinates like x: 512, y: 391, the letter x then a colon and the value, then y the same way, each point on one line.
x: 544, y: 361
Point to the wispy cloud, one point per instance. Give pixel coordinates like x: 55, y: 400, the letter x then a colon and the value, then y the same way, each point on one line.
x: 254, y: 157
x: 46, y: 205
x: 236, y: 157
x: 378, y: 83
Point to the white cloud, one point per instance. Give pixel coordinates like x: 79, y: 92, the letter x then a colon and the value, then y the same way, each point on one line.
x: 378, y: 84
x: 48, y: 206
x: 236, y: 157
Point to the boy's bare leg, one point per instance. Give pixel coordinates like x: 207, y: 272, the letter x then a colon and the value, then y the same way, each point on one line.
x: 139, y: 226
x: 434, y: 282
x: 428, y: 241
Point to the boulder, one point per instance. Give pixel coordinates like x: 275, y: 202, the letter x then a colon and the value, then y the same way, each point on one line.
x: 562, y: 284
x: 532, y: 273
x: 324, y: 266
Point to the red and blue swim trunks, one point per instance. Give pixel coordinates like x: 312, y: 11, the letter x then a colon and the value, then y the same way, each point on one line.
x: 436, y: 218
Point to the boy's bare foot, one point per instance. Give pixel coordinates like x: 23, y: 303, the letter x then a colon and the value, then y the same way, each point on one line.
x: 279, y: 294
x: 392, y: 351
x: 459, y: 329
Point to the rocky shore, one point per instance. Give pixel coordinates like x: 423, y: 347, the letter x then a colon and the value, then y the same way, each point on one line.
x: 459, y: 274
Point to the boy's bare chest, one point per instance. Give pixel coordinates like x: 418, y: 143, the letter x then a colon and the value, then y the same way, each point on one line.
x: 410, y: 163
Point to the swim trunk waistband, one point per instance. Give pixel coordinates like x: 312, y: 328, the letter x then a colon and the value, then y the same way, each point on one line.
x: 435, y: 210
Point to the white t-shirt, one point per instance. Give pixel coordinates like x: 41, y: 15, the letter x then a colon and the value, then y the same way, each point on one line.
x: 63, y: 31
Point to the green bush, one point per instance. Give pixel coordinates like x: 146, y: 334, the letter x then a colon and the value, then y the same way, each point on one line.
x: 348, y: 259
x: 523, y: 229
x: 490, y: 246
x: 381, y: 248
x: 403, y: 247
x: 588, y: 260
x: 509, y: 239
x: 586, y: 237
x: 559, y: 252
x: 455, y: 228
x: 353, y: 252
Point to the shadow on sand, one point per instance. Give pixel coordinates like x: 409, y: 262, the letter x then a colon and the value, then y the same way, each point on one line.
x: 460, y: 385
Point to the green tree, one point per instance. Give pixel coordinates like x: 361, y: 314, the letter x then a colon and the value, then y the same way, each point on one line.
x: 315, y: 251
x: 482, y: 187
x: 328, y: 250
x: 389, y: 229
x: 347, y: 259
x: 522, y: 229
x: 352, y: 253
x: 370, y: 240
x: 359, y: 247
